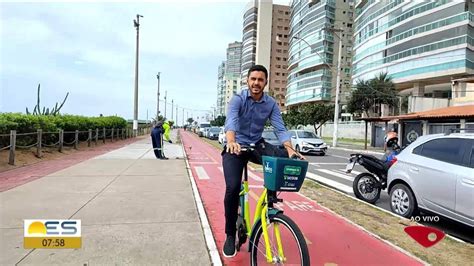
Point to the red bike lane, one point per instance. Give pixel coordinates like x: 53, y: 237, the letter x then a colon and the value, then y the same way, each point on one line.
x: 331, y: 240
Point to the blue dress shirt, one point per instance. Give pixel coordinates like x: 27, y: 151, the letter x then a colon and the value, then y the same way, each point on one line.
x: 247, y: 118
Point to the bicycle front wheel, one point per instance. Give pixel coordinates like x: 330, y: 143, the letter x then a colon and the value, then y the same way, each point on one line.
x: 294, y: 250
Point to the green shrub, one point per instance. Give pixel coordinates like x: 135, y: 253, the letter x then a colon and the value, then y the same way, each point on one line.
x: 31, y: 123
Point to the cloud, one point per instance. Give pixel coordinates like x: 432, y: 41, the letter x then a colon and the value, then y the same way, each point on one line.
x: 88, y: 49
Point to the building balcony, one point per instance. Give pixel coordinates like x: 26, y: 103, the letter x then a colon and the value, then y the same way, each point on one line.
x: 420, y: 104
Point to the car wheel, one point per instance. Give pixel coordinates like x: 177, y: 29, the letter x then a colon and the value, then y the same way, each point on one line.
x: 402, y: 201
x: 297, y: 148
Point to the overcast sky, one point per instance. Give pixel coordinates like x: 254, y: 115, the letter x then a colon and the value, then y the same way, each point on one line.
x: 88, y: 50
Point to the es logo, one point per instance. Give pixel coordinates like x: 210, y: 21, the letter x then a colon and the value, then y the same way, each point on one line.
x: 268, y: 167
x: 40, y: 228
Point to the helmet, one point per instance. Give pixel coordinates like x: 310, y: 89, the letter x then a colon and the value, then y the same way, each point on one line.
x: 391, y: 138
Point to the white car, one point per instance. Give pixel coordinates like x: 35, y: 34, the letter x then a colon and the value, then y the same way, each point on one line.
x: 221, y: 137
x: 306, y: 142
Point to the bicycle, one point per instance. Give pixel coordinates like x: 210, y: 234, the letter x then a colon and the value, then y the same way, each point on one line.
x: 275, y: 226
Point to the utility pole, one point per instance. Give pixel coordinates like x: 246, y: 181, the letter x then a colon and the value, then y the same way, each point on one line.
x: 172, y: 106
x: 166, y: 93
x: 136, y: 23
x: 184, y: 122
x: 158, y: 102
x: 176, y: 115
x: 338, y: 85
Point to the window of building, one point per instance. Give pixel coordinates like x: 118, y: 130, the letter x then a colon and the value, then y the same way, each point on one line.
x: 280, y: 27
x: 278, y: 50
x: 280, y: 19
x: 280, y: 11
x: 286, y: 28
x: 349, y: 25
x: 277, y: 73
x: 287, y: 13
x: 344, y: 12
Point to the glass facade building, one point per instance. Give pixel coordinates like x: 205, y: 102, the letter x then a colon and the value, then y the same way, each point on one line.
x: 422, y: 45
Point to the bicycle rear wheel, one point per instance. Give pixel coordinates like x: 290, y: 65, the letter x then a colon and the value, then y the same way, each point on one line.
x: 295, y: 250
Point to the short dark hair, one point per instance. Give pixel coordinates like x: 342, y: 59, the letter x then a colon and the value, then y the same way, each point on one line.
x: 258, y: 68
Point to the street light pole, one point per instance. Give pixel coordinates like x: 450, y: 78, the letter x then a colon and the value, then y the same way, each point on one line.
x: 338, y: 85
x: 176, y: 115
x: 136, y: 23
x: 172, y: 106
x: 166, y: 93
x: 158, y: 102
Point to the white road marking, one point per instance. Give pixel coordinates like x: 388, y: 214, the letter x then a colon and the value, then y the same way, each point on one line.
x: 328, y: 163
x: 329, y: 182
x: 201, y: 173
x: 337, y: 156
x: 346, y: 177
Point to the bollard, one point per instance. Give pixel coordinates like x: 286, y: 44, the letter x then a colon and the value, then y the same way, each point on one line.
x: 90, y: 138
x: 76, y: 139
x: 96, y: 136
x: 38, y: 146
x: 61, y: 140
x: 11, y: 158
x: 112, y: 135
x: 103, y: 139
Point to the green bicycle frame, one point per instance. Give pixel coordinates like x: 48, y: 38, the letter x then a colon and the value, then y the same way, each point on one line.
x: 261, y: 213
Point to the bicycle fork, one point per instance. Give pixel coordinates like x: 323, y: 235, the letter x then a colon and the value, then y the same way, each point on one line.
x: 262, y: 210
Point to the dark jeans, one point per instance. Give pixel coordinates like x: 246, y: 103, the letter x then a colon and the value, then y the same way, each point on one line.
x: 157, y: 142
x: 233, y: 169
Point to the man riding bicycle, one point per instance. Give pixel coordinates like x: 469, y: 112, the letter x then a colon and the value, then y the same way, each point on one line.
x: 246, y: 117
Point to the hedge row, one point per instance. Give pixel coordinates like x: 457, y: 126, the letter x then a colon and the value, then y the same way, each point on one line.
x: 31, y: 123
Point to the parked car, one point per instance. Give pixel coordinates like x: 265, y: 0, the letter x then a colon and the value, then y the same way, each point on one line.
x: 221, y: 137
x: 213, y: 133
x: 270, y: 136
x: 306, y: 142
x: 435, y: 174
x: 202, y: 129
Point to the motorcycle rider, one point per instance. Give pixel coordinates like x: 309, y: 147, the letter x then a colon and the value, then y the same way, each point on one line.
x: 392, y: 147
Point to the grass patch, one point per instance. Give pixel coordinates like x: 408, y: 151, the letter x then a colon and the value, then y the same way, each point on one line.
x: 389, y: 227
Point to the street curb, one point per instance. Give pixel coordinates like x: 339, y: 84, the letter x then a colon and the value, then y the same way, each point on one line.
x: 210, y: 242
x: 376, y: 207
x: 357, y: 150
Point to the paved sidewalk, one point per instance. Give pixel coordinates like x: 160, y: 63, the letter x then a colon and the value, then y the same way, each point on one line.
x: 135, y: 210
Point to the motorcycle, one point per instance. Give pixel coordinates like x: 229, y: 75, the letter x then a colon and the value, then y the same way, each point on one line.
x: 368, y: 185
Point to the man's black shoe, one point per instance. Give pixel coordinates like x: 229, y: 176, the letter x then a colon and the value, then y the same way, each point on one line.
x: 163, y: 158
x: 229, y: 247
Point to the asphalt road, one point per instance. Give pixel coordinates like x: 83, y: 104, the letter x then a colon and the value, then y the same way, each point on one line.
x: 330, y: 170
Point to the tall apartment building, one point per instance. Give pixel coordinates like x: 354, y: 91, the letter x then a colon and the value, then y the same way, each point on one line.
x: 229, y: 77
x: 220, y: 104
x: 249, y: 40
x: 425, y: 46
x: 265, y: 40
x: 314, y: 51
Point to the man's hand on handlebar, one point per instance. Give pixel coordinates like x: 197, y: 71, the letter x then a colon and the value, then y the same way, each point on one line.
x: 233, y: 147
x: 293, y: 154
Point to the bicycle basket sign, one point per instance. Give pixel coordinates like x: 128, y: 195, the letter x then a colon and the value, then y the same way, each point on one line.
x: 283, y: 174
x: 292, y: 170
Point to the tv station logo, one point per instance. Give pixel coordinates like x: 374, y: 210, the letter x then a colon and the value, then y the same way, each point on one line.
x: 52, y: 234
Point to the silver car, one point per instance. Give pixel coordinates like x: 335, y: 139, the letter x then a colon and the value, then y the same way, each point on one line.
x: 436, y: 174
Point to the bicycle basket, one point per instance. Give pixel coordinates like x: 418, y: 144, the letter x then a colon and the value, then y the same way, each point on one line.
x: 283, y: 174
